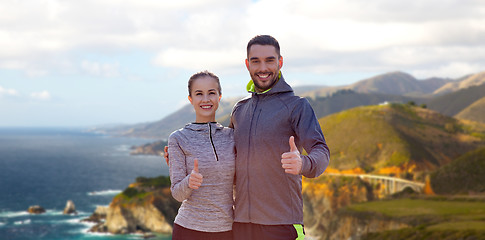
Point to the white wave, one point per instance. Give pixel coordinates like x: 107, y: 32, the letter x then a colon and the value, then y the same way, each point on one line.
x: 51, y: 212
x: 104, y: 192
x: 78, y: 221
x: 2, y: 224
x: 28, y: 221
x: 13, y: 214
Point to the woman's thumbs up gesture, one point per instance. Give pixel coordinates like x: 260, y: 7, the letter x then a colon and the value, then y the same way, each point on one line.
x: 195, y: 179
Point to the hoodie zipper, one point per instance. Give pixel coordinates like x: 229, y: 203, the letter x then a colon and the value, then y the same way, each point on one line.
x: 212, y: 142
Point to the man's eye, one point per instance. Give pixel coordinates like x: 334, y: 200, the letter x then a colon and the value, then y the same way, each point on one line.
x: 198, y: 94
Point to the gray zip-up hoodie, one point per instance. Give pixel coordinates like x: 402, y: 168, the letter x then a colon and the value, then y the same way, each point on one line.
x: 263, y: 124
x: 209, y: 208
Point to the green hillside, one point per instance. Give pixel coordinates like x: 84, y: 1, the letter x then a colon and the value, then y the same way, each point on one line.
x: 463, y: 175
x: 427, y: 218
x: 373, y: 137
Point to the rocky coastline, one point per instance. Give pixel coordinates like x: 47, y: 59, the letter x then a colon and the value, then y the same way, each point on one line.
x: 146, y: 206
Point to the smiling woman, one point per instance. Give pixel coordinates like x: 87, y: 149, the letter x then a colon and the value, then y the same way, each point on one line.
x: 202, y: 166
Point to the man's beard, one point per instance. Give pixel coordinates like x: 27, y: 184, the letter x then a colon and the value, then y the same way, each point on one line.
x: 262, y: 88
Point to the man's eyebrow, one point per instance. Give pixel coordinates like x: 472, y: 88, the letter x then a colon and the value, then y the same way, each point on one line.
x: 253, y: 58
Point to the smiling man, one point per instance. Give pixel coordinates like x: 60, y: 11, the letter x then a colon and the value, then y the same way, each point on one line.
x: 270, y: 129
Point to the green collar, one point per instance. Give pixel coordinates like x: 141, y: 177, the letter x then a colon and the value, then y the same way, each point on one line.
x: 251, y: 88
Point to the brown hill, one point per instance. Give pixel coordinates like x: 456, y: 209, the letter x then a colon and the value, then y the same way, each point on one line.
x: 453, y: 103
x: 465, y: 82
x: 394, y: 83
x: 474, y: 112
x: 398, y: 83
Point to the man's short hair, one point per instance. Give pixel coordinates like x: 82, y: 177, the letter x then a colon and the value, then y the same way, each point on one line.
x: 264, y: 40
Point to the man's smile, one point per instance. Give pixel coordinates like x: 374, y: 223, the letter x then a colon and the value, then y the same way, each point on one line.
x: 263, y: 76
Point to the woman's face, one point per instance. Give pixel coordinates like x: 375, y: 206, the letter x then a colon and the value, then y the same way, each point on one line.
x: 205, y: 98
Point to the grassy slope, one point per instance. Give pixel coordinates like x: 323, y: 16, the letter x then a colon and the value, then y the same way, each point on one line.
x: 452, y: 103
x: 465, y: 174
x: 474, y: 112
x: 373, y: 137
x: 431, y: 219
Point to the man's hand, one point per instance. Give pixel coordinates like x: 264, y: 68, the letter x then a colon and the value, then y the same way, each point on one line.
x: 165, y: 154
x: 291, y: 161
x: 195, y: 179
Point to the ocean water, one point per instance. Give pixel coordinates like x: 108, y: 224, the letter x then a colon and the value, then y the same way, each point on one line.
x: 48, y: 167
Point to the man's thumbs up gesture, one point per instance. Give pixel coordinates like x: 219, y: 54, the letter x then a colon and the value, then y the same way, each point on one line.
x: 291, y: 161
x: 195, y: 179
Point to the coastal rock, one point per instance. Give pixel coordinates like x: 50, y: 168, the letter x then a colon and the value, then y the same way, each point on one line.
x: 70, y: 208
x: 129, y: 219
x: 145, y: 206
x: 36, y: 209
x: 98, y: 216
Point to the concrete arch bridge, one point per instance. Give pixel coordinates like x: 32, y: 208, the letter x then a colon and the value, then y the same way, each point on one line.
x: 390, y: 185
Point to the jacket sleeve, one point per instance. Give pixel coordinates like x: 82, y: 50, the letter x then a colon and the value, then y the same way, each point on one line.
x: 178, y: 171
x: 310, y: 137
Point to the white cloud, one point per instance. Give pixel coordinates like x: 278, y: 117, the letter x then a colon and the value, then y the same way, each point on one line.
x: 8, y: 92
x: 44, y: 95
x: 98, y: 69
x: 452, y: 70
x: 192, y: 34
x: 198, y: 60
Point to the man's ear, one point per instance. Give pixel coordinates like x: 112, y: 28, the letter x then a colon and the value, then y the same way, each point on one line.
x: 190, y: 99
x: 247, y: 63
x: 280, y: 62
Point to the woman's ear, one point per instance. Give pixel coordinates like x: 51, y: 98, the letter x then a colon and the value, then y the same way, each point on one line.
x: 190, y: 99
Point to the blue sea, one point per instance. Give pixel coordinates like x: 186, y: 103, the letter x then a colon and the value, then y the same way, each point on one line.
x: 48, y: 167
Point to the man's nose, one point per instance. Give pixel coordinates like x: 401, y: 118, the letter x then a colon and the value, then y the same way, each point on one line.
x: 263, y: 67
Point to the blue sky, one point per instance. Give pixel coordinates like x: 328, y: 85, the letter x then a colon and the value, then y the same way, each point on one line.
x: 86, y: 63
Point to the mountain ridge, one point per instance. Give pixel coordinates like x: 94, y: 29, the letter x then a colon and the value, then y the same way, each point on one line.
x: 365, y: 93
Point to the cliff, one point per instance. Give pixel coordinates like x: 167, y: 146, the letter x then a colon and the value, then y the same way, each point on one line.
x: 351, y: 227
x: 341, y: 207
x: 324, y: 197
x: 145, y: 206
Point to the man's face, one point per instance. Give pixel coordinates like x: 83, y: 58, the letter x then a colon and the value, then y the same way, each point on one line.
x: 264, y: 65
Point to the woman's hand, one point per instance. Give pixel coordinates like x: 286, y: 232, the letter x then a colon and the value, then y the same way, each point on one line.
x: 195, y: 179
